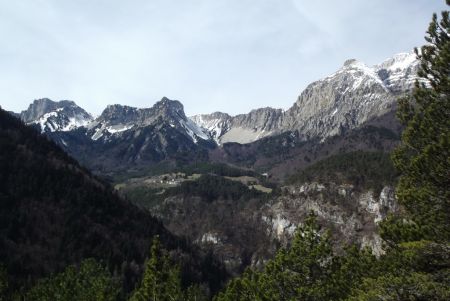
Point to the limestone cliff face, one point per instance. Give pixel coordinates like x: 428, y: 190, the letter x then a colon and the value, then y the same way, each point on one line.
x: 340, y: 102
x: 352, y: 215
x: 216, y: 124
x: 353, y: 95
x: 243, y: 128
x: 250, y: 232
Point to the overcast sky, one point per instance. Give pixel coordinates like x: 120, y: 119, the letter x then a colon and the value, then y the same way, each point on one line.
x: 212, y: 55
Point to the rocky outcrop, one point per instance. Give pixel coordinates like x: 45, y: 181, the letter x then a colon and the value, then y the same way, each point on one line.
x: 243, y: 128
x: 352, y: 215
x: 250, y: 232
x: 216, y: 124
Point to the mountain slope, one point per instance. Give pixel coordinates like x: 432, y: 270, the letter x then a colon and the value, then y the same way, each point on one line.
x: 118, y: 118
x: 343, y: 101
x: 242, y: 128
x: 283, y: 154
x: 54, y: 213
x: 125, y: 139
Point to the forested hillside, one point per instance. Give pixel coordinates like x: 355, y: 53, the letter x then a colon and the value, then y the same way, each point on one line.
x: 54, y: 213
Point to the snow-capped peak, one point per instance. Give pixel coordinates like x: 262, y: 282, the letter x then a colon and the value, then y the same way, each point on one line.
x: 399, y: 62
x: 60, y: 121
x: 394, y: 74
x: 56, y: 116
x: 399, y: 73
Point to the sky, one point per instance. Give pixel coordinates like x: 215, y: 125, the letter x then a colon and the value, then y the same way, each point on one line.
x: 212, y: 55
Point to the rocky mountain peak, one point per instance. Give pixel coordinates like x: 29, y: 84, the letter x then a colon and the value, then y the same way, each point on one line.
x: 399, y: 73
x: 350, y: 62
x: 51, y: 116
x: 169, y: 107
x: 118, y: 114
x: 38, y: 108
x: 117, y: 120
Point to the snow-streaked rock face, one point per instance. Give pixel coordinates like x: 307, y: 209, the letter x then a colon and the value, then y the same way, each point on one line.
x: 216, y: 124
x: 122, y: 136
x: 54, y: 116
x: 243, y: 128
x: 353, y: 95
x: 117, y: 119
x: 346, y: 99
x: 399, y: 73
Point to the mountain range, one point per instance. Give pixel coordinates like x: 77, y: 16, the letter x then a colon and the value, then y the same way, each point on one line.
x: 128, y: 138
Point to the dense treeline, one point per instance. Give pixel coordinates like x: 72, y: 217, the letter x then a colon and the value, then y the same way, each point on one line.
x: 54, y: 213
x: 90, y: 281
x: 366, y: 170
x: 210, y: 188
x: 219, y: 169
x: 309, y: 270
x: 423, y: 158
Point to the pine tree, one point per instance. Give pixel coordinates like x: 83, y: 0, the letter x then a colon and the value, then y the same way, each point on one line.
x: 302, y: 272
x: 414, y: 286
x: 3, y: 283
x: 424, y: 154
x: 90, y: 282
x: 161, y: 280
x: 194, y: 293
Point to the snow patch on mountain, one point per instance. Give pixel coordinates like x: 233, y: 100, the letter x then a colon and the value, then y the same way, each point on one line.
x: 215, y: 126
x: 399, y: 72
x: 193, y: 130
x: 359, y: 74
x: 119, y: 128
x: 62, y: 120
